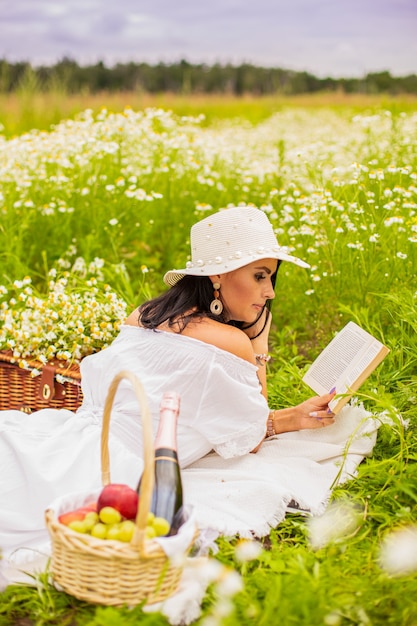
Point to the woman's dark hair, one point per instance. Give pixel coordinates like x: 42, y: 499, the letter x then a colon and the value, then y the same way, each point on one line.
x: 191, y: 293
x: 173, y: 306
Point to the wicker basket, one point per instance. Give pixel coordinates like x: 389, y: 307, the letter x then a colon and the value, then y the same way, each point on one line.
x: 21, y: 390
x: 111, y: 572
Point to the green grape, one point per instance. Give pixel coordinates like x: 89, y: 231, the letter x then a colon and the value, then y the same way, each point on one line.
x: 150, y: 532
x: 113, y: 531
x: 161, y: 526
x: 90, y: 520
x: 99, y: 531
x: 127, y: 528
x: 109, y: 515
x: 150, y: 518
x: 78, y: 525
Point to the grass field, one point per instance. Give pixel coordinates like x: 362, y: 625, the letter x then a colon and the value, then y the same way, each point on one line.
x: 21, y: 112
x: 97, y: 200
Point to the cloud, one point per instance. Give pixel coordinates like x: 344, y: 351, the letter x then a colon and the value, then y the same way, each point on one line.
x: 348, y: 37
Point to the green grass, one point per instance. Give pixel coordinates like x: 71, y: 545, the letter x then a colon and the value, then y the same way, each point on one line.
x: 339, y: 182
x: 29, y: 108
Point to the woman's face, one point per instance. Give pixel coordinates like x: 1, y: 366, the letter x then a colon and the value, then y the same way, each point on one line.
x: 244, y: 291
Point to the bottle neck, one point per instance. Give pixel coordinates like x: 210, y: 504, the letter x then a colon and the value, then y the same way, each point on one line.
x: 166, y: 436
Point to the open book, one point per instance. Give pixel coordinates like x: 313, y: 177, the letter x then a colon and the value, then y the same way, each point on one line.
x: 345, y: 363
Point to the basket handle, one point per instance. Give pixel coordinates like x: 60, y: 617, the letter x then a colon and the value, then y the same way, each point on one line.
x: 147, y: 481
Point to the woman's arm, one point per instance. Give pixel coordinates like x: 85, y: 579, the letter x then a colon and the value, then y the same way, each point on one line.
x: 313, y: 413
x: 310, y: 414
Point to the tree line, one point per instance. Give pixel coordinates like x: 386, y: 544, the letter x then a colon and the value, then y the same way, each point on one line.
x: 187, y: 78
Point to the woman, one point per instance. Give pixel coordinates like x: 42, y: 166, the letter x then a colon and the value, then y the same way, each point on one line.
x: 222, y: 299
x: 207, y: 338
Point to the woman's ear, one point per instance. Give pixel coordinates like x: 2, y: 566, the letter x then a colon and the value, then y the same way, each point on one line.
x: 215, y: 279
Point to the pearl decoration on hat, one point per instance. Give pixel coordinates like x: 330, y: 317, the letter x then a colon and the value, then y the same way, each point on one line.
x: 221, y: 233
x: 237, y: 255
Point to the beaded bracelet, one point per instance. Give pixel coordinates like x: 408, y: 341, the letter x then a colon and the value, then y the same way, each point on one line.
x: 270, y: 430
x: 261, y: 359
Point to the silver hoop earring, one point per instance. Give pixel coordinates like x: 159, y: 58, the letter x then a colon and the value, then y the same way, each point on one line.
x: 216, y: 305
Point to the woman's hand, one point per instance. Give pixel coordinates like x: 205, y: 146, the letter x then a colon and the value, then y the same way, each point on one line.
x: 312, y: 413
x: 315, y: 412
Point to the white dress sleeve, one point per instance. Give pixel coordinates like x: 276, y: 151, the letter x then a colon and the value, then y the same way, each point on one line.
x: 233, y: 412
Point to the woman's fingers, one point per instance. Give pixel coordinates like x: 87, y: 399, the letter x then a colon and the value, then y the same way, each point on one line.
x: 323, y: 421
x: 320, y: 418
x: 322, y: 413
x: 315, y: 412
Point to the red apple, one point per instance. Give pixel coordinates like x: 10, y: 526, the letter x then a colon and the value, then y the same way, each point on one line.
x: 77, y: 514
x: 121, y: 497
x: 91, y: 506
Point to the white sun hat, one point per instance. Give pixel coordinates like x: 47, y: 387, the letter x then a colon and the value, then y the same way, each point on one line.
x: 228, y: 240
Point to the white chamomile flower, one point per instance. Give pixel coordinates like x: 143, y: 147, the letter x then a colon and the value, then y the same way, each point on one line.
x: 398, y: 555
x: 338, y: 521
x: 247, y: 550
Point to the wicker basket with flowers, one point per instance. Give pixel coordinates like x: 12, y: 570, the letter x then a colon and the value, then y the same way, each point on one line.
x: 44, y: 335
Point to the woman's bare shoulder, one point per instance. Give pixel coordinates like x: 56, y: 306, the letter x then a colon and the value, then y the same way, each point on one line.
x: 222, y: 336
x: 133, y: 318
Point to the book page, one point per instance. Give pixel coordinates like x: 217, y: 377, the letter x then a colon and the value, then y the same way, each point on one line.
x: 345, y: 363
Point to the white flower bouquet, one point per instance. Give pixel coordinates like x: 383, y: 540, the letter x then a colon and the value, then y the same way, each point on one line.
x: 78, y: 315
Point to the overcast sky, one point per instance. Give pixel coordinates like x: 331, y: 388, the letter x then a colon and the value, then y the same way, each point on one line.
x: 325, y: 37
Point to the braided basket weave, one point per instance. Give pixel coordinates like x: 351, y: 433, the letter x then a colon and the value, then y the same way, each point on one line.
x: 111, y: 572
x: 58, y: 386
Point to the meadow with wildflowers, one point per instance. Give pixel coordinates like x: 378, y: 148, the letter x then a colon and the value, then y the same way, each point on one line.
x: 95, y: 209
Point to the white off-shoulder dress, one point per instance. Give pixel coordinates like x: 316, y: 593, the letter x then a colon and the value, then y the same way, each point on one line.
x: 223, y: 414
x: 51, y: 452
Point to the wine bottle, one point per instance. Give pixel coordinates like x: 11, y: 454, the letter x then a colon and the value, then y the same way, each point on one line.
x: 167, y: 492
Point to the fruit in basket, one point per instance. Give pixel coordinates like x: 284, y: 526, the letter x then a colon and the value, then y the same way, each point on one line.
x: 113, y: 531
x: 127, y: 528
x: 109, y: 515
x: 99, y: 531
x: 77, y: 514
x: 90, y: 520
x: 161, y: 526
x: 150, y: 532
x: 78, y: 525
x: 120, y: 497
x: 109, y: 524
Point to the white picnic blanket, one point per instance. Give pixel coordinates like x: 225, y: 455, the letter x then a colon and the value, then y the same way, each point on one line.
x: 249, y: 495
